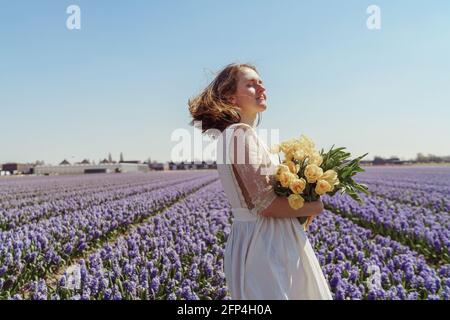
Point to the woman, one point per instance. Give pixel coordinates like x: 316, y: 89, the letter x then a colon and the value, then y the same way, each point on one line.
x: 267, y: 255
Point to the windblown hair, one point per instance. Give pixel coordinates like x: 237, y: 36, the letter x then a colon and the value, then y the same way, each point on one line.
x: 212, y: 106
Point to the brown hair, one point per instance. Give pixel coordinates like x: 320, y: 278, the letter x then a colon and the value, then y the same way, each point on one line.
x: 212, y: 107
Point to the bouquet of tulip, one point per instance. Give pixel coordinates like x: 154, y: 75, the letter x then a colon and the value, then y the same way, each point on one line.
x: 306, y: 174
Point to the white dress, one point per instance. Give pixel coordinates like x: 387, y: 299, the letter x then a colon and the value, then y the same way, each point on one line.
x: 265, y: 258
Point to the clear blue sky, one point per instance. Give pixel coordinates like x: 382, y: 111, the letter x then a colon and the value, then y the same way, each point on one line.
x: 121, y: 83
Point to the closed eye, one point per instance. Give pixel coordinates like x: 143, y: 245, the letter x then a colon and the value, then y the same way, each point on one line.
x: 260, y: 82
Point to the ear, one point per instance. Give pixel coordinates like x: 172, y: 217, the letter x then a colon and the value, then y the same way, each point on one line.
x: 232, y: 99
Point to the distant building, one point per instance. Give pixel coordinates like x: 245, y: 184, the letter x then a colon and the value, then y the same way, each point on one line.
x: 90, y: 168
x: 18, y: 168
x: 394, y: 160
x: 193, y: 165
x: 85, y: 161
x: 390, y: 161
x: 157, y: 166
x: 3, y: 173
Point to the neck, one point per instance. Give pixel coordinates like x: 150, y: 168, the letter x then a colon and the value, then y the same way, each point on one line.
x: 248, y: 119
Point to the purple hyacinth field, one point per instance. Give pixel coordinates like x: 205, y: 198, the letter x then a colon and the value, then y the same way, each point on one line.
x: 162, y: 235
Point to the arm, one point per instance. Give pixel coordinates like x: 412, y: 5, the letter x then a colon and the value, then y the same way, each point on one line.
x: 280, y: 208
x: 257, y: 188
x: 252, y: 169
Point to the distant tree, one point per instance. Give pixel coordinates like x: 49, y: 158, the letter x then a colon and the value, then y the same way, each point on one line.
x: 421, y: 157
x: 434, y: 158
x: 378, y: 160
x: 121, y: 157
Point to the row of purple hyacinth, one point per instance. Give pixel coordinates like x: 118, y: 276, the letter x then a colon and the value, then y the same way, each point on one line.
x: 436, y: 201
x: 14, y: 217
x: 21, y: 188
x: 426, y: 178
x: 347, y: 252
x: 359, y: 264
x: 420, y: 228
x: 179, y: 255
x: 35, y: 250
x: 49, y: 189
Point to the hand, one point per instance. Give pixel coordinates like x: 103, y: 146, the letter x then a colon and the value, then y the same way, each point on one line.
x: 310, y: 218
x: 317, y: 207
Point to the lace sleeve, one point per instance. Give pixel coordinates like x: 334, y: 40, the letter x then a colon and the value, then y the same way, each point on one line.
x: 252, y: 168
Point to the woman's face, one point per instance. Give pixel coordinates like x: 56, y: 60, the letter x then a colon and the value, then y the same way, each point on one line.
x: 250, y: 95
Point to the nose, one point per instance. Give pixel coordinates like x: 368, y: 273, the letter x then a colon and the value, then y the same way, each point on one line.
x: 261, y: 88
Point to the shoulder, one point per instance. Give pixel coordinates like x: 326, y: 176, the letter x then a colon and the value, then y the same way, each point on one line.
x: 243, y: 136
x: 243, y: 133
x: 240, y: 127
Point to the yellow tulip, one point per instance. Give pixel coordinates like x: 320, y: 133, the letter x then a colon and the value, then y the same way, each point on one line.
x: 299, y: 155
x: 285, y: 178
x: 281, y: 168
x: 313, y: 172
x: 298, y: 185
x: 292, y: 166
x: 296, y: 201
x: 322, y: 187
x: 315, y: 158
x: 331, y: 177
